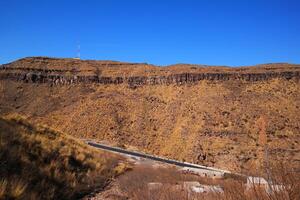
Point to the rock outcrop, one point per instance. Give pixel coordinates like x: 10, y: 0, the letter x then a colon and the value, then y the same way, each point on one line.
x: 65, y: 77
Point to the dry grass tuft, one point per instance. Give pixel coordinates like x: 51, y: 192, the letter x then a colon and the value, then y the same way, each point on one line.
x: 3, y: 186
x: 17, y: 188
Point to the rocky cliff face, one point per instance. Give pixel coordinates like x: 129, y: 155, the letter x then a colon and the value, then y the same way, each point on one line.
x: 214, y: 116
x: 65, y: 76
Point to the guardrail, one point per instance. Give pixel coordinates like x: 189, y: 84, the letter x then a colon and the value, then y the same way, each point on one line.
x: 156, y: 158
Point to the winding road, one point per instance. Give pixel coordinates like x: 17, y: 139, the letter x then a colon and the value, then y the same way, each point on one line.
x: 187, y: 166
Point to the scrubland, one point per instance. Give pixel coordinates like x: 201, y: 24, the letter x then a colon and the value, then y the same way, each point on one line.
x: 169, y: 184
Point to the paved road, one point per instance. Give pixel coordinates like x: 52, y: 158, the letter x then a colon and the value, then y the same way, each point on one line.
x: 156, y: 158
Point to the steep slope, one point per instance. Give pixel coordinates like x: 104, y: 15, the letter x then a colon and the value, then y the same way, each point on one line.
x: 217, y: 116
x: 40, y: 163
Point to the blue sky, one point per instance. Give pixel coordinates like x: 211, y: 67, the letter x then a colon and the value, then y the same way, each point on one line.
x: 214, y: 32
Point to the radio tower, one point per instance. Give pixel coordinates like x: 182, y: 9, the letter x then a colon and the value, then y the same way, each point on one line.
x: 78, y: 51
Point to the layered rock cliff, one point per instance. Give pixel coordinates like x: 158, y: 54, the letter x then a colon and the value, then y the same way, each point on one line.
x: 27, y: 71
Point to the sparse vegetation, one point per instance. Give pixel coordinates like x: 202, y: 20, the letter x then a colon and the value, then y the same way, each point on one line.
x: 168, y: 184
x: 39, y: 163
x: 135, y: 183
x: 283, y: 184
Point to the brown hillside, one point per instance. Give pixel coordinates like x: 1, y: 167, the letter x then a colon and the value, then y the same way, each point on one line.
x: 40, y: 163
x: 217, y: 116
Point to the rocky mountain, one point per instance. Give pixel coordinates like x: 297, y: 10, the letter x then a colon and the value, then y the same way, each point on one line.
x: 234, y: 118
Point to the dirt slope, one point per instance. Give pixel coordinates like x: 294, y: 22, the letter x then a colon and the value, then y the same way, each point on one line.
x: 217, y: 116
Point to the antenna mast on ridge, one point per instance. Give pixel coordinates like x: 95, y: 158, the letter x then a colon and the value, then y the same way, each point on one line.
x: 78, y: 52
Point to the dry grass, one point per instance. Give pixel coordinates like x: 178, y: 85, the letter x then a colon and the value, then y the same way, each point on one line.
x: 135, y: 184
x: 283, y: 184
x: 210, y: 124
x: 39, y: 163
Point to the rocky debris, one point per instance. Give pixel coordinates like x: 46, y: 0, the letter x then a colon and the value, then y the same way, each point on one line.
x: 194, y: 186
x: 190, y: 186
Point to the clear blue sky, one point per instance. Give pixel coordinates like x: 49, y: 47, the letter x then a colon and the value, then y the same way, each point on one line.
x: 221, y: 32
